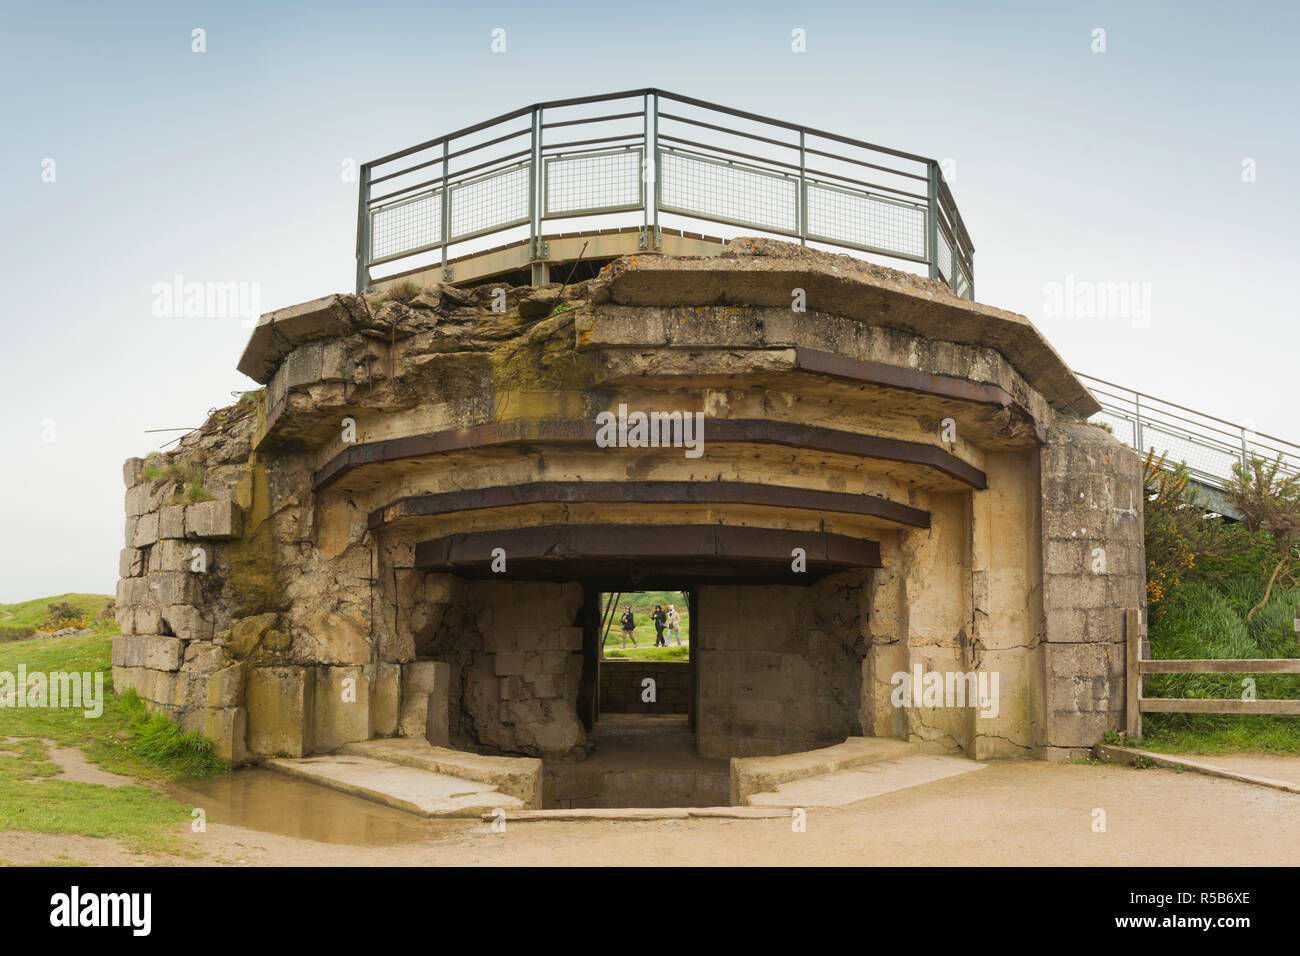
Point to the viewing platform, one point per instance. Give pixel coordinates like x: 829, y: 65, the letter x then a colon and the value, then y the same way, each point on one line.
x: 513, y: 197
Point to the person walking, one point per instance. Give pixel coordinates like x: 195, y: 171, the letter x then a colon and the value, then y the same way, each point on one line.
x: 674, y: 622
x: 629, y: 625
x: 660, y: 619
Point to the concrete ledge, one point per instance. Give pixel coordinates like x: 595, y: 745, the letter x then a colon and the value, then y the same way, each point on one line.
x: 402, y: 788
x: 762, y: 272
x: 1130, y: 755
x: 873, y: 779
x: 751, y: 775
x: 652, y: 813
x: 280, y: 332
x: 518, y: 777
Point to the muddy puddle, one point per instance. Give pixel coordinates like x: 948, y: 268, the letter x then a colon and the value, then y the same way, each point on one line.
x: 274, y: 803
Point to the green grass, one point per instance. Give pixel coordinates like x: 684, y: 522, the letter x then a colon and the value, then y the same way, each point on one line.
x: 651, y: 653
x: 18, y: 621
x: 124, y: 739
x: 1209, y: 622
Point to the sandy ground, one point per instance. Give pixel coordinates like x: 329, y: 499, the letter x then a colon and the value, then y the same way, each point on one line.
x: 1012, y: 813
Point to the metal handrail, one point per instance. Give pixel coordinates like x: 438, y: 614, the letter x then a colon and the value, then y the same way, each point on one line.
x: 1147, y: 413
x: 414, y: 216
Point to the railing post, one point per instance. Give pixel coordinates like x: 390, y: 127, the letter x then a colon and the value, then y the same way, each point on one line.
x: 533, y: 178
x: 1137, y: 424
x: 1133, y: 674
x: 1245, y: 461
x: 541, y: 273
x: 363, y: 231
x: 446, y: 209
x: 932, y: 219
x: 647, y: 168
x: 656, y: 196
x: 803, y: 191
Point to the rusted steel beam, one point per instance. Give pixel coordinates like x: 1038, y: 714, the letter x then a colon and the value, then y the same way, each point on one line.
x: 649, y: 492
x: 631, y: 555
x: 744, y: 431
x: 911, y: 380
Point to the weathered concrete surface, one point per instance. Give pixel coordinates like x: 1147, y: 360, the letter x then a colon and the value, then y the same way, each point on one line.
x: 763, y: 272
x: 780, y: 667
x: 1094, y: 568
x: 861, y: 783
x: 622, y: 687
x: 402, y: 788
x: 518, y: 777
x: 751, y: 775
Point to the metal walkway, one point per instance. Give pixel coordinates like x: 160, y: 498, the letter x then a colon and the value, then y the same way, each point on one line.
x: 1209, y: 446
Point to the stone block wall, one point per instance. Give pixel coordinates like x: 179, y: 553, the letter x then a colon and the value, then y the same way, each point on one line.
x: 234, y: 625
x: 780, y: 668
x: 514, y: 655
x: 1094, y: 568
x: 622, y: 686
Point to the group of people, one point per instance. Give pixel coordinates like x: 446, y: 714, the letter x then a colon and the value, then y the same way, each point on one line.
x: 664, y: 621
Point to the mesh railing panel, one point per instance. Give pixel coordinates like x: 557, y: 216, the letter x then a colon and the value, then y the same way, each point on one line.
x: 406, y: 225
x: 1203, y: 459
x: 593, y: 182
x: 852, y: 217
x: 692, y: 185
x: 962, y: 289
x: 944, y: 257
x: 491, y: 202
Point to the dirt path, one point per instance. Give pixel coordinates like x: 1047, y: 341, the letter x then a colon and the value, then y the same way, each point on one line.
x: 1013, y: 813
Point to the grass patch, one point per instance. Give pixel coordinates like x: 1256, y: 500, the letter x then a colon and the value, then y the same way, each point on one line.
x: 162, y: 742
x: 650, y: 653
x: 124, y: 739
x: 1218, y: 734
x: 29, y: 614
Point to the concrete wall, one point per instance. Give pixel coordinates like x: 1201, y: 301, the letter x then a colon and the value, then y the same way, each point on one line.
x: 622, y: 688
x: 514, y: 649
x: 780, y: 668
x: 1094, y: 568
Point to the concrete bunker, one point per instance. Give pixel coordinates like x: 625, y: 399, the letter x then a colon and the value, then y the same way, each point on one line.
x: 407, y: 531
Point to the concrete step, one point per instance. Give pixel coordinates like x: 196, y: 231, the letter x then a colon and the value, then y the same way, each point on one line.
x: 406, y: 788
x: 519, y: 777
x: 750, y: 775
x: 864, y: 781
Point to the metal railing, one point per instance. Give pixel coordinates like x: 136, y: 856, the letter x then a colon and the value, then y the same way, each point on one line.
x: 644, y: 153
x: 1209, y: 446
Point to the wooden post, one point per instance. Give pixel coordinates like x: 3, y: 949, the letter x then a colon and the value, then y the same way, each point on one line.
x: 1133, y: 674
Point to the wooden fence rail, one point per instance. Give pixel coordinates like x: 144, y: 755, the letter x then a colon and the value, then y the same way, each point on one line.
x: 1140, y: 664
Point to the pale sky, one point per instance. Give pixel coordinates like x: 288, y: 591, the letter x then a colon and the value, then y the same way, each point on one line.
x: 224, y: 166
